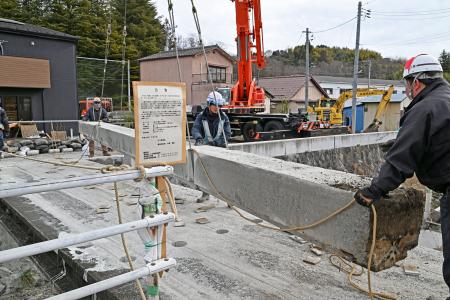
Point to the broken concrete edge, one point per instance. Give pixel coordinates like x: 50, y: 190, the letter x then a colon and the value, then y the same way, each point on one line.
x: 294, y: 194
x: 300, y: 145
x: 16, y: 211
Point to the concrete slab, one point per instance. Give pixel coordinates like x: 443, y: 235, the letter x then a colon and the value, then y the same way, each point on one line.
x: 247, y: 262
x: 294, y: 146
x: 290, y: 195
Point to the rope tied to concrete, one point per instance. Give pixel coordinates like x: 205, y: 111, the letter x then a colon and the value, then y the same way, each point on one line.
x: 369, y: 292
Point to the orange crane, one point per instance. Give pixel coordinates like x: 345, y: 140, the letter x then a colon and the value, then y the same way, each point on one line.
x: 245, y: 92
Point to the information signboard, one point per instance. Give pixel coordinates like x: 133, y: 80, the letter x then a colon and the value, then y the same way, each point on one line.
x: 160, y: 122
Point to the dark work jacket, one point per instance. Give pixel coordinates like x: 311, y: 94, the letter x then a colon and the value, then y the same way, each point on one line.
x: 4, y: 120
x: 213, y: 121
x: 422, y: 144
x: 93, y: 115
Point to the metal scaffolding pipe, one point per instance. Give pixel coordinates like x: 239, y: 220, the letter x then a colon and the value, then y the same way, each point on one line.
x: 151, y: 268
x: 11, y: 190
x: 79, y: 238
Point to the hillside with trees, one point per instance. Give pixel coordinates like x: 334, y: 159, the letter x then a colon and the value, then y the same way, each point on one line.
x: 334, y: 61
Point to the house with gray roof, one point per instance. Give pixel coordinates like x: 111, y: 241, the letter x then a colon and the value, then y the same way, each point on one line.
x: 163, y: 67
x: 37, y: 73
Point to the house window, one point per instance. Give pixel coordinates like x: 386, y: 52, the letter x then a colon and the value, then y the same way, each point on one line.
x: 218, y: 74
x: 17, y: 108
x: 344, y: 90
x: 329, y: 91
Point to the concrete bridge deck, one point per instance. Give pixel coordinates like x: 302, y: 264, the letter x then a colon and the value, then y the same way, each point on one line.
x: 248, y: 262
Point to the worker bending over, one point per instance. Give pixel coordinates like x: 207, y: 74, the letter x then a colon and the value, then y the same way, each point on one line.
x: 211, y: 130
x: 422, y: 145
x: 96, y: 113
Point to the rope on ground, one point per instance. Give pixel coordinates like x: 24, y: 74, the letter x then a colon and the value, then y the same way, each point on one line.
x: 124, y: 242
x: 369, y: 292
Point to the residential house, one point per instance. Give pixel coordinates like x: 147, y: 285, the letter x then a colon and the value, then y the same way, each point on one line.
x: 334, y: 86
x: 289, y: 92
x: 38, y: 78
x: 163, y: 67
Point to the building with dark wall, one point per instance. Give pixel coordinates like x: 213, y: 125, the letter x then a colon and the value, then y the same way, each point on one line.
x: 37, y: 73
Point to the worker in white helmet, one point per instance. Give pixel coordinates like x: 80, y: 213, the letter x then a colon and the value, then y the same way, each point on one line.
x: 210, y: 128
x: 96, y: 113
x: 422, y: 145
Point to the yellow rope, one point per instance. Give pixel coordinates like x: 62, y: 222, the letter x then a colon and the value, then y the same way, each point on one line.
x: 124, y: 242
x: 369, y: 292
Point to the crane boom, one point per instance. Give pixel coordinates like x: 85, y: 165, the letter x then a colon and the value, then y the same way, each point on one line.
x: 245, y: 92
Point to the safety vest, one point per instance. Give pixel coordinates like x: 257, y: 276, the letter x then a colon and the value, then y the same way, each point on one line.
x: 208, y: 136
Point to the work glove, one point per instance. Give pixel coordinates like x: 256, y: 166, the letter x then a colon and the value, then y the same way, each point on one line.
x: 198, y: 142
x: 386, y: 146
x: 366, y: 197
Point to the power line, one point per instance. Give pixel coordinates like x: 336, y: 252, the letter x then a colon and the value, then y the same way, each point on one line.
x: 422, y: 12
x: 337, y: 26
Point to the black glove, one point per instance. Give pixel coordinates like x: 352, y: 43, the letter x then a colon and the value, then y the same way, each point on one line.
x: 198, y: 142
x: 386, y: 146
x: 368, y: 194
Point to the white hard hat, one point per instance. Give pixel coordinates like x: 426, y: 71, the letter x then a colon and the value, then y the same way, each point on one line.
x: 215, y: 98
x: 420, y: 64
x: 97, y: 100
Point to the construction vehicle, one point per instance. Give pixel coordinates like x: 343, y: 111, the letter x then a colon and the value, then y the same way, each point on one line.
x: 246, y: 100
x: 85, y: 104
x: 330, y: 110
x: 381, y: 109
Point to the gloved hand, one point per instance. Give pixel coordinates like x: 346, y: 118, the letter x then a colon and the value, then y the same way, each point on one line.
x: 211, y: 143
x: 366, y: 197
x: 198, y: 142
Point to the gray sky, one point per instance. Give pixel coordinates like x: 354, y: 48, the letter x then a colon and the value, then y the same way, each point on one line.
x: 397, y: 28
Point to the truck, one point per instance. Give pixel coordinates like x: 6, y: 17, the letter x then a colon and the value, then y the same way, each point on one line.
x: 246, y: 100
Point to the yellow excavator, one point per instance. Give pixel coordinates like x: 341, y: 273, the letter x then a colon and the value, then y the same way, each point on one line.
x: 330, y: 110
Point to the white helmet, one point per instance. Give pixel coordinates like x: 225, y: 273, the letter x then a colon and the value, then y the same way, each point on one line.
x: 97, y: 100
x: 215, y: 98
x: 422, y: 63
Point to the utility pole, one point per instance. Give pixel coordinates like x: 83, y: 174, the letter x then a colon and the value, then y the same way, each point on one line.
x: 307, y: 69
x: 356, y: 68
x: 129, y: 91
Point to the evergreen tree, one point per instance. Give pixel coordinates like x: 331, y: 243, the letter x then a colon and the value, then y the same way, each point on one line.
x: 10, y: 9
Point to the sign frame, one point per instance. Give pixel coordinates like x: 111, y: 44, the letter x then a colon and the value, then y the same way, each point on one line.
x: 138, y: 160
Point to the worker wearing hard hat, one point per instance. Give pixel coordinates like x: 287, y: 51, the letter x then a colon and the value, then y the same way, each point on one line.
x: 4, y: 128
x: 96, y: 113
x: 422, y: 145
x: 210, y: 128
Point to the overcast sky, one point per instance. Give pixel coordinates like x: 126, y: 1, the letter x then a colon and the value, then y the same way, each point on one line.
x: 397, y: 28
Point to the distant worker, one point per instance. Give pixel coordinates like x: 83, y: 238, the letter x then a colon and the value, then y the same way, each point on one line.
x: 422, y: 145
x: 211, y: 130
x: 4, y: 128
x: 96, y: 113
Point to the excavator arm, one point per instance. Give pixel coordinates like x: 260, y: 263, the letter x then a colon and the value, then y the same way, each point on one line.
x: 385, y: 99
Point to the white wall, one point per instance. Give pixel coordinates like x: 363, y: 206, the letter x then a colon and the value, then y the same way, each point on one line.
x: 335, y: 87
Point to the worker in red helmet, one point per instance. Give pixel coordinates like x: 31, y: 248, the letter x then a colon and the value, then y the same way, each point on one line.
x: 422, y: 145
